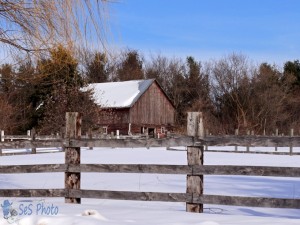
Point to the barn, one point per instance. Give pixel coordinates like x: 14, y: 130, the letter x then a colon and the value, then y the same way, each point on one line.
x: 134, y: 107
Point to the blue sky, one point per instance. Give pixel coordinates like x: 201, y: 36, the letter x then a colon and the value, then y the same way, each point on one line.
x: 263, y: 30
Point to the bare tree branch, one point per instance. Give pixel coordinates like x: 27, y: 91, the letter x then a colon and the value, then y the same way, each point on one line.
x: 34, y: 26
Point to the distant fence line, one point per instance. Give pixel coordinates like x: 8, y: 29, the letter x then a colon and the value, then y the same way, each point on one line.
x: 173, y: 141
x: 34, y: 141
x: 44, y: 141
x: 194, y: 170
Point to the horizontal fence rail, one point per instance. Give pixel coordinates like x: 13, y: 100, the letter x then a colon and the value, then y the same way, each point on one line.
x: 183, y: 197
x: 255, y: 152
x: 33, y: 193
x: 155, y: 169
x: 33, y: 144
x: 155, y: 196
x: 247, y: 201
x: 116, y: 143
x: 251, y: 141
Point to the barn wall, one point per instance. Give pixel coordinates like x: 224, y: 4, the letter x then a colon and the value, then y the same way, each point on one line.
x: 137, y: 129
x: 114, y: 116
x: 123, y: 128
x: 115, y: 119
x: 152, y: 108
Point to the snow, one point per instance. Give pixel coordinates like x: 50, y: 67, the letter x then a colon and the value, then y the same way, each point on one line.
x: 114, y: 212
x: 118, y: 94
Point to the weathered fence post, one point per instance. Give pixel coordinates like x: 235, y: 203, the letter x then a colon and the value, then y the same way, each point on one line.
x: 90, y: 136
x: 72, y: 154
x: 248, y: 147
x: 129, y: 129
x: 32, y: 134
x: 291, y: 144
x: 236, y: 132
x: 195, y: 157
x: 195, y: 125
x: 1, y: 139
x: 276, y: 134
x: 2, y: 135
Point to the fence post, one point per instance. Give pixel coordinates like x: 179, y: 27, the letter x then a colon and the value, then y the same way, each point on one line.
x: 1, y: 139
x: 90, y: 136
x: 291, y: 144
x: 248, y: 147
x: 236, y: 132
x: 2, y: 135
x: 276, y: 134
x: 194, y: 157
x: 32, y: 134
x: 72, y: 154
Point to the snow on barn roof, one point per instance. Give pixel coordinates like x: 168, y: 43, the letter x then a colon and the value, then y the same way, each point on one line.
x: 119, y: 94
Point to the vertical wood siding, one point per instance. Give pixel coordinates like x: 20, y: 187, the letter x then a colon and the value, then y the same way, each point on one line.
x: 152, y: 108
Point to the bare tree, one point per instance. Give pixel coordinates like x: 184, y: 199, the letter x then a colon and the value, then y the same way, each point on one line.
x: 162, y: 69
x: 231, y: 89
x: 32, y: 26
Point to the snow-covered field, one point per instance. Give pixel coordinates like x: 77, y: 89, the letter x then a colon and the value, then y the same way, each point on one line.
x: 98, y: 211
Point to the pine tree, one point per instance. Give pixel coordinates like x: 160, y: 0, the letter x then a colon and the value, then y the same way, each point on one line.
x: 59, y: 71
x: 131, y: 68
x: 97, y: 71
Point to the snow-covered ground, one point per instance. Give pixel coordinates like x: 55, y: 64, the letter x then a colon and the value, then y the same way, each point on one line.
x: 113, y: 212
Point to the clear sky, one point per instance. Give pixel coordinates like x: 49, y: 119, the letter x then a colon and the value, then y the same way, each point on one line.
x: 263, y: 30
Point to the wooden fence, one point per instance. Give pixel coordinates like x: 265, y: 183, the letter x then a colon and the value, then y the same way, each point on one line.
x: 195, y: 170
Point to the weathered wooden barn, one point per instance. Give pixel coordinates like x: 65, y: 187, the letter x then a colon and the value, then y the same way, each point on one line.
x: 134, y: 107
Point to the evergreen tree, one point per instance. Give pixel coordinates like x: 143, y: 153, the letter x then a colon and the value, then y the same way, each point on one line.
x: 131, y: 68
x: 57, y: 72
x: 293, y: 69
x: 7, y: 78
x: 24, y: 115
x: 292, y: 105
x: 97, y: 71
x: 192, y: 81
x: 6, y: 90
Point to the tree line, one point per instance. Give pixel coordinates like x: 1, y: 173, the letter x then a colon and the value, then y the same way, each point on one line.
x: 232, y: 92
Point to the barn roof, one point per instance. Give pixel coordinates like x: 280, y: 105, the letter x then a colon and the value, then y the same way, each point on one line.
x: 119, y: 94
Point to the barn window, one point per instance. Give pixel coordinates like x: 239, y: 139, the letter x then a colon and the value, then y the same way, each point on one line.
x: 104, y: 130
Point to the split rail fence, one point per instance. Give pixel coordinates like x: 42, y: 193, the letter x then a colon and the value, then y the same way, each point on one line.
x: 195, y: 170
